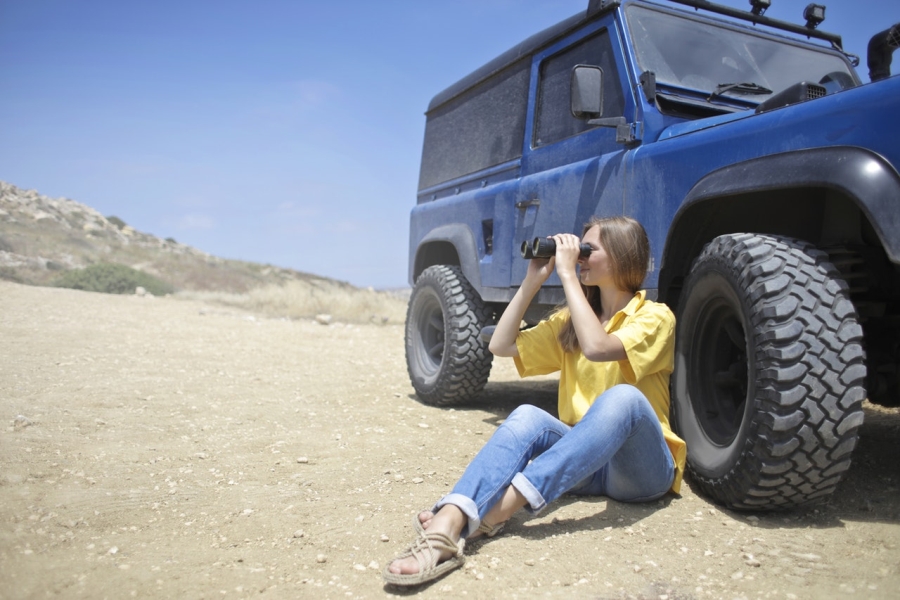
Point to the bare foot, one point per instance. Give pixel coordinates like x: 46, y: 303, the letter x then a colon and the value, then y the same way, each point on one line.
x: 425, y: 518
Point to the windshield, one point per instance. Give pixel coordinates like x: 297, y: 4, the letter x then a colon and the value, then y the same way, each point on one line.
x: 708, y: 58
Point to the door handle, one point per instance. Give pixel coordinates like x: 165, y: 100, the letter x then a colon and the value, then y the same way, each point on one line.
x: 522, y: 205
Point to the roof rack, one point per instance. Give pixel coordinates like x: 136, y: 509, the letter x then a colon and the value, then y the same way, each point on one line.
x: 744, y: 15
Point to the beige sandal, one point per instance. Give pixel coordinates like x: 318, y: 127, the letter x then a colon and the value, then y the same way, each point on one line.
x: 427, y: 549
x: 490, y: 530
x: 484, y: 530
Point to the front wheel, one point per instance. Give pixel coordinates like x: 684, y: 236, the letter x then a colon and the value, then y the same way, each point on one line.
x: 447, y: 360
x: 769, y: 372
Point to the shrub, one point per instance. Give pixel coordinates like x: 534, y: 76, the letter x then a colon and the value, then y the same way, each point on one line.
x: 116, y: 221
x: 10, y: 274
x: 111, y: 278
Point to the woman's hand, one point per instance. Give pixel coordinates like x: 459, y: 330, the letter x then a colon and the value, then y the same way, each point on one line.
x: 539, y: 270
x: 568, y: 251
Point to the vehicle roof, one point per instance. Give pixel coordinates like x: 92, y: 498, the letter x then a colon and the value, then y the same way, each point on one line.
x: 518, y: 51
x: 531, y: 44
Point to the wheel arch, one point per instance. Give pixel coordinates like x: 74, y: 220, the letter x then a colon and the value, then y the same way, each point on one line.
x: 824, y: 195
x: 448, y: 245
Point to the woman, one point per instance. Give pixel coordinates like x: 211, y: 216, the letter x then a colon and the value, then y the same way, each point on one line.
x: 614, y: 350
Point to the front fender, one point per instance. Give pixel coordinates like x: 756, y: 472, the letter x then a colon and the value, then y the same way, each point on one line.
x: 865, y: 178
x: 461, y: 239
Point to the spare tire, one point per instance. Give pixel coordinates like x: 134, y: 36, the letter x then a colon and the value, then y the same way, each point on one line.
x: 447, y: 360
x: 769, y: 372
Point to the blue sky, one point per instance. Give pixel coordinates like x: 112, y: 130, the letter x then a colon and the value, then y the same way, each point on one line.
x: 275, y: 131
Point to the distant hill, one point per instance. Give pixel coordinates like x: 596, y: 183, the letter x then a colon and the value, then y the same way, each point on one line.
x: 42, y: 237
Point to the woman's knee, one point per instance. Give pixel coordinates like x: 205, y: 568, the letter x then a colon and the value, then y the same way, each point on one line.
x: 620, y: 401
x: 528, y: 418
x: 527, y: 413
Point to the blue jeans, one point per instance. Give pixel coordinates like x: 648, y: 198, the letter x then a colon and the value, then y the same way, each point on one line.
x: 616, y: 450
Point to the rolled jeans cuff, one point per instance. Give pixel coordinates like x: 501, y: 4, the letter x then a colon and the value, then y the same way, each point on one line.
x: 467, y: 506
x: 536, y: 502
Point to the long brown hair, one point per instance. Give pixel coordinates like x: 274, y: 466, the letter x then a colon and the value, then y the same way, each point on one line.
x: 628, y: 248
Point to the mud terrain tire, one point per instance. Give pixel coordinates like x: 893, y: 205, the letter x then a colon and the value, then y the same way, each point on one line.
x: 769, y: 372
x: 447, y: 360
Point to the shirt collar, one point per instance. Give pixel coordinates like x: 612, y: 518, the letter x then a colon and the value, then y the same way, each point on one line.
x: 630, y: 309
x: 635, y: 303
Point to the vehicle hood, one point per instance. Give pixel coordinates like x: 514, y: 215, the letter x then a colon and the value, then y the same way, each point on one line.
x: 680, y: 129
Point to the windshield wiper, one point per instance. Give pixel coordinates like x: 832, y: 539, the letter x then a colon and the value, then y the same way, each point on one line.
x: 742, y: 88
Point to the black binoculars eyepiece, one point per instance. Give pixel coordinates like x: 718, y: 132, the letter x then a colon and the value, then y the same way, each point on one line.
x: 546, y: 247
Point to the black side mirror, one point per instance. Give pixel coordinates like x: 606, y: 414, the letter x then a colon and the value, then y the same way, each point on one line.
x: 586, y: 92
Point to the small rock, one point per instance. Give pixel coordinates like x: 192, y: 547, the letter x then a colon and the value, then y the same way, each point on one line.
x: 302, y: 460
x: 140, y: 291
x: 530, y: 562
x: 417, y: 480
x: 113, y: 550
x: 359, y: 567
x: 638, y: 568
x: 374, y: 565
x: 423, y: 425
x: 21, y: 422
x: 808, y: 557
x: 323, y: 319
x: 299, y: 533
x: 385, y: 538
x: 321, y: 558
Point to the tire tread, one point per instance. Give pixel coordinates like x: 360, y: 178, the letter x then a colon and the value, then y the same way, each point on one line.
x: 810, y: 374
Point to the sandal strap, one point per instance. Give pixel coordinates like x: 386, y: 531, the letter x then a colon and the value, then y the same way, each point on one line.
x: 427, y: 548
x: 491, y: 530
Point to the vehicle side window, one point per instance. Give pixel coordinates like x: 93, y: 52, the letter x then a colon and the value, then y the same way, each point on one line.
x: 554, y: 117
x: 483, y: 127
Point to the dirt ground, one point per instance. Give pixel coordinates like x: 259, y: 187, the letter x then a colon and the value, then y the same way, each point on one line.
x: 156, y: 447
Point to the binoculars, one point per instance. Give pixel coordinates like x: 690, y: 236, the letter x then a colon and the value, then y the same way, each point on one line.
x: 546, y: 247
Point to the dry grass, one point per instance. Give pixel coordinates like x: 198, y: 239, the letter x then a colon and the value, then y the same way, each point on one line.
x: 307, y: 299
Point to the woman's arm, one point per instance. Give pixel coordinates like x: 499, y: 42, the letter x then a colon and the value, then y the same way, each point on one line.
x: 596, y: 344
x: 503, y: 342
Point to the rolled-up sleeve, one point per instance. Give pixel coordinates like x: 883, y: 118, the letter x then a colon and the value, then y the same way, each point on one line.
x: 539, y: 350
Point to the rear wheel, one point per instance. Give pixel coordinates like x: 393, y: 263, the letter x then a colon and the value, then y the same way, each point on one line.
x: 447, y: 360
x: 769, y: 372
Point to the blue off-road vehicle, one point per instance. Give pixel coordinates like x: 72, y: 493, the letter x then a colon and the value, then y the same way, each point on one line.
x: 766, y: 174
